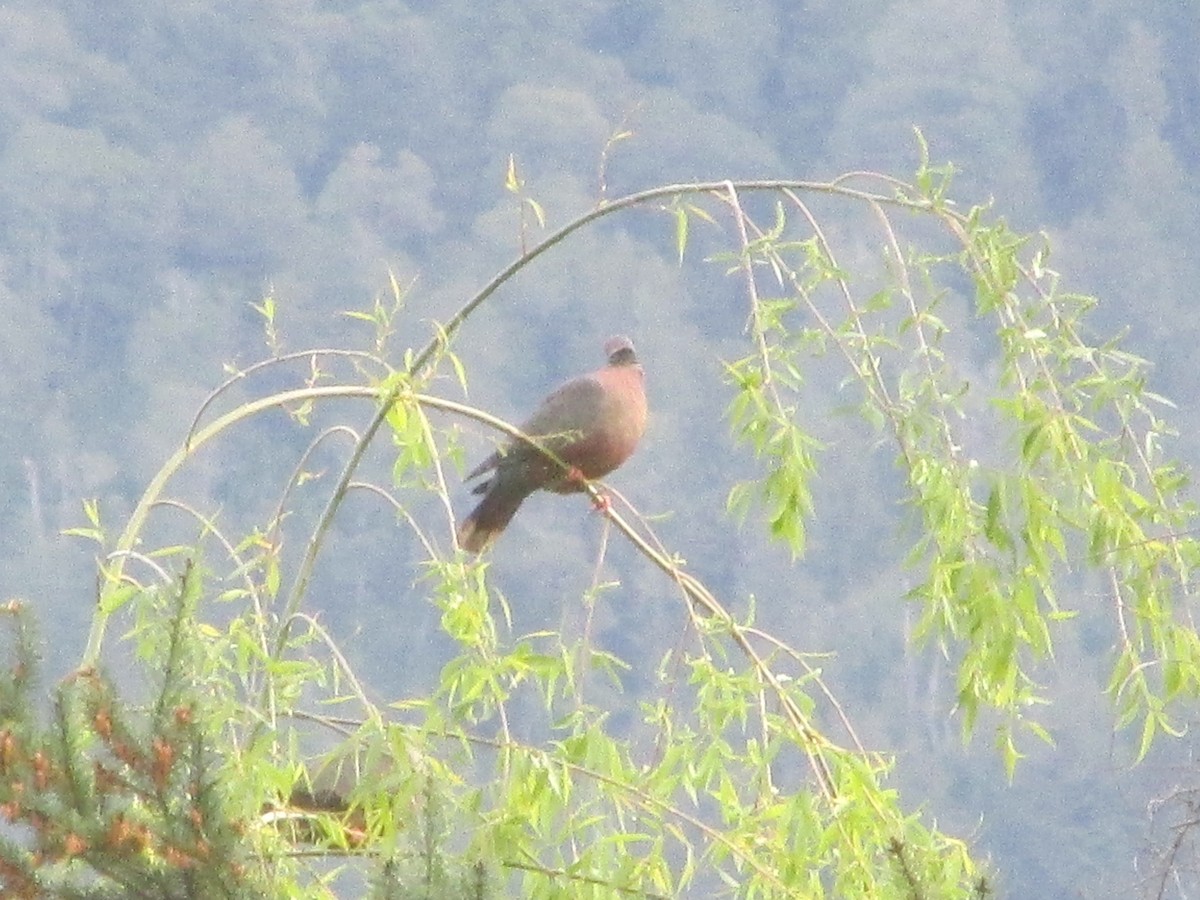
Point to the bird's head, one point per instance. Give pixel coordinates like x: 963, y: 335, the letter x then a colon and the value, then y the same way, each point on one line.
x: 619, y: 351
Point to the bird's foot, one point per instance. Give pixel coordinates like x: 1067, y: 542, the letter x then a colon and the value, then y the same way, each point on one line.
x: 575, y: 476
x: 602, y: 502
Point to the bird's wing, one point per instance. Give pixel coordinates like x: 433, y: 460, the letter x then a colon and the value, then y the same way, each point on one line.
x: 569, y: 413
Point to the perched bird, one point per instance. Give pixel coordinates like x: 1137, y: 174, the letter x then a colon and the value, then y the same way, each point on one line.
x: 592, y: 424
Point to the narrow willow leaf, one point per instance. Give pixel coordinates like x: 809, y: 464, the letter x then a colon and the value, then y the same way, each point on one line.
x: 681, y: 232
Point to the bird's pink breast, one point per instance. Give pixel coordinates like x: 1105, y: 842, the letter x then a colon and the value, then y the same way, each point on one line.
x: 619, y: 426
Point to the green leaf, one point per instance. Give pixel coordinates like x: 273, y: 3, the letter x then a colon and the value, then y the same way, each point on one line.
x: 1041, y: 733
x: 1009, y: 752
x: 993, y: 527
x: 538, y: 212
x: 681, y: 231
x: 113, y: 599
x: 512, y: 181
x: 1149, y: 728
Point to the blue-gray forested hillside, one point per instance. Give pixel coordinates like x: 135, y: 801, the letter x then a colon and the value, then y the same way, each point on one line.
x: 166, y: 166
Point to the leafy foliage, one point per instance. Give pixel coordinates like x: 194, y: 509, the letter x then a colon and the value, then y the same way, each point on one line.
x: 741, y: 776
x: 112, y: 803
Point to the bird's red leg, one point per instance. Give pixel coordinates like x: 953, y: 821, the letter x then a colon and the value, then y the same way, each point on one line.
x: 601, y: 501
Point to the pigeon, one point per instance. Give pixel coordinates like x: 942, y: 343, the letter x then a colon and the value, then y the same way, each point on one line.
x: 592, y: 424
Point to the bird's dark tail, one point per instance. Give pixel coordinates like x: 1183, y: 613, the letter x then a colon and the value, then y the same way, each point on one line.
x: 481, y: 528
